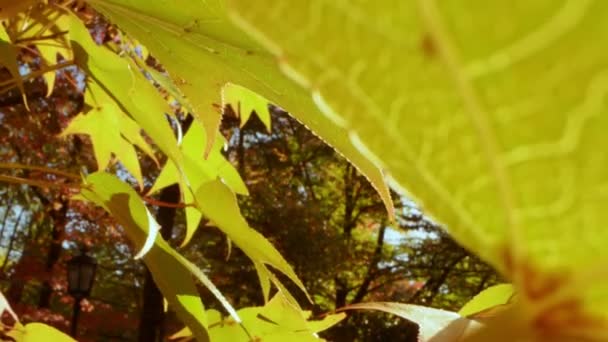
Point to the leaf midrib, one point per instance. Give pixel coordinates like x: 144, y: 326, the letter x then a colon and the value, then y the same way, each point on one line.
x: 478, y: 115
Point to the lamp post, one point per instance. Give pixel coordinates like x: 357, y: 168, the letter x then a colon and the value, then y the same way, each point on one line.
x: 81, y: 274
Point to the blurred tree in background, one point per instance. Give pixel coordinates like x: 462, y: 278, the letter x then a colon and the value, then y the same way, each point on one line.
x: 311, y: 203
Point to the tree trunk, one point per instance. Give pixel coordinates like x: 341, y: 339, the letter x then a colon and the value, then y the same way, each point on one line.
x: 8, y: 209
x: 373, y: 266
x: 9, y: 249
x: 59, y: 220
x: 151, y: 325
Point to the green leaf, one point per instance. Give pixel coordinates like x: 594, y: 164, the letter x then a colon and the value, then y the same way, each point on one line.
x: 159, y: 33
x: 170, y: 271
x: 8, y: 59
x: 203, y: 51
x: 265, y: 279
x: 435, y: 325
x: 245, y: 102
x: 184, y: 333
x: 35, y: 332
x: 198, y: 171
x: 214, y: 318
x: 325, y: 323
x: 277, y: 321
x: 493, y: 127
x: 166, y: 83
x: 218, y: 203
x: 491, y: 297
x: 36, y: 23
x: 111, y: 132
x: 122, y: 82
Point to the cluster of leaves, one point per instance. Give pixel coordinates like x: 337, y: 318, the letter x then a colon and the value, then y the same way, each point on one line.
x: 120, y: 102
x: 465, y: 117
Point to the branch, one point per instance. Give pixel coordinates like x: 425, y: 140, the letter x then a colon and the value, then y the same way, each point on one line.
x: 158, y: 203
x: 434, y: 284
x: 9, y: 84
x: 364, y: 287
x: 39, y: 168
x: 41, y: 184
x: 388, y: 281
x: 35, y: 39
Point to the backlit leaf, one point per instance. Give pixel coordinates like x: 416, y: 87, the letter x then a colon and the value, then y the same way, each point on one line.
x: 122, y: 81
x: 198, y: 171
x: 277, y: 321
x: 245, y: 102
x: 325, y: 323
x: 489, y: 114
x: 492, y: 296
x: 184, y: 333
x: 218, y: 203
x: 111, y: 131
x: 8, y: 59
x: 264, y: 276
x: 167, y: 84
x: 435, y: 325
x: 167, y: 266
x: 32, y: 27
x: 203, y: 51
x: 35, y: 332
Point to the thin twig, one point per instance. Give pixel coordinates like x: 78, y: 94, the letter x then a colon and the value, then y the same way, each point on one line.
x: 68, y: 77
x: 13, y: 81
x: 34, y: 39
x: 39, y: 168
x: 42, y: 184
x: 156, y: 202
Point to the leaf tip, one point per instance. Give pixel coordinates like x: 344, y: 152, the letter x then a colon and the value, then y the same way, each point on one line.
x: 153, y: 229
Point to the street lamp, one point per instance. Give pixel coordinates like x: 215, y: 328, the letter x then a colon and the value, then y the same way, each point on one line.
x: 81, y: 274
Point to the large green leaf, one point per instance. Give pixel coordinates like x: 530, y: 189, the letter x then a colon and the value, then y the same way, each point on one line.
x: 490, y: 114
x: 203, y: 51
x: 170, y: 271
